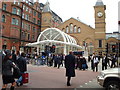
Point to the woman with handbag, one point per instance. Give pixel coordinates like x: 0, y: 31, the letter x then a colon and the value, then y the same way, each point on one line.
x: 7, y: 74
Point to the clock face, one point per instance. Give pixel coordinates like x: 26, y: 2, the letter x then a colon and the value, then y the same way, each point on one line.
x: 99, y: 14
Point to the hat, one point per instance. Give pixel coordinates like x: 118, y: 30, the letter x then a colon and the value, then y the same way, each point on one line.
x: 8, y: 52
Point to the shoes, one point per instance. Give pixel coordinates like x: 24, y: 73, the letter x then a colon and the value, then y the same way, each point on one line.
x: 21, y: 84
x: 68, y: 84
x: 12, y: 88
x: 18, y: 84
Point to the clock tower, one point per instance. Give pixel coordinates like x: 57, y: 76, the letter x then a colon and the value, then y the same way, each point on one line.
x: 100, y: 27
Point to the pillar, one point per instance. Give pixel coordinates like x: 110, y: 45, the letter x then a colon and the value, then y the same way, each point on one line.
x: 37, y: 50
x: 65, y: 50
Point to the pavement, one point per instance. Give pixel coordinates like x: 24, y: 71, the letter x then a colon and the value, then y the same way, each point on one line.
x: 50, y: 77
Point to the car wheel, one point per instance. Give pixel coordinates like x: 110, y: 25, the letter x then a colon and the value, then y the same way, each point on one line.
x: 113, y: 85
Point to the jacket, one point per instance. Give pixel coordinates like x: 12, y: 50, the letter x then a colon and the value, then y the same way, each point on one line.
x: 7, y: 68
x: 22, y: 65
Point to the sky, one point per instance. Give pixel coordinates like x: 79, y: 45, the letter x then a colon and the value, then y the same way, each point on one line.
x: 84, y: 9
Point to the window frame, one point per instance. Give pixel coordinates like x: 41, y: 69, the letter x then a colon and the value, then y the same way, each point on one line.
x: 3, y: 19
x: 14, y: 10
x: 4, y: 7
x: 19, y: 12
x: 15, y: 21
x: 75, y: 29
x: 79, y: 29
x: 100, y: 43
x: 67, y: 29
x: 71, y: 28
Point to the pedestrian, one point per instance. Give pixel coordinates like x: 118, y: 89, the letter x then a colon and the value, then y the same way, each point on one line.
x: 59, y: 60
x: 84, y: 63
x: 108, y: 60
x: 89, y: 58
x: 7, y: 74
x: 62, y: 59
x: 14, y: 56
x: 92, y: 61
x: 55, y: 60
x: 50, y: 60
x: 96, y: 61
x: 22, y: 65
x: 17, y: 55
x: 76, y: 61
x: 104, y: 62
x: 80, y: 62
x: 70, y: 67
x: 113, y: 61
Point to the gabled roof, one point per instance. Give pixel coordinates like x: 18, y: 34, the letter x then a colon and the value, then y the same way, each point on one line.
x: 78, y: 21
x: 99, y: 3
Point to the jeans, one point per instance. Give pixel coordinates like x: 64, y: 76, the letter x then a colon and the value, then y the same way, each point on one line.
x: 20, y: 79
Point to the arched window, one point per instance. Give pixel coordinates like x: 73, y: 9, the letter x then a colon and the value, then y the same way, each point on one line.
x: 14, y: 10
x: 79, y: 30
x: 71, y: 28
x: 75, y: 29
x: 67, y: 31
x: 3, y: 18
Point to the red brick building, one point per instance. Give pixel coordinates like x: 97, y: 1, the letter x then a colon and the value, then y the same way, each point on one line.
x: 20, y: 24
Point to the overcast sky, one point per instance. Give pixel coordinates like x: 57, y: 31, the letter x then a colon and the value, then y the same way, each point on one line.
x: 85, y: 11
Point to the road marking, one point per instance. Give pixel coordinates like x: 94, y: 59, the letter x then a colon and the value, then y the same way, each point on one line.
x: 86, y: 83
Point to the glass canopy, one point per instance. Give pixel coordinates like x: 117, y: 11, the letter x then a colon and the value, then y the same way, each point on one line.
x: 52, y: 36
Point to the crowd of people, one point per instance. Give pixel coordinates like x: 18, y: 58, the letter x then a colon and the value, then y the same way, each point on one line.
x: 107, y: 61
x: 71, y: 62
x: 57, y: 60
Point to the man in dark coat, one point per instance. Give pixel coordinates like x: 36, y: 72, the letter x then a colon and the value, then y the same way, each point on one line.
x: 21, y: 63
x: 104, y: 62
x: 70, y: 67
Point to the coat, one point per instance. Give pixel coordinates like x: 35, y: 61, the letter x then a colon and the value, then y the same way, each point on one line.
x: 21, y: 63
x: 7, y: 68
x: 104, y: 60
x: 70, y: 65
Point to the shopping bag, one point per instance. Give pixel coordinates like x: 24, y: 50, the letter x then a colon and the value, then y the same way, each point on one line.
x: 25, y: 77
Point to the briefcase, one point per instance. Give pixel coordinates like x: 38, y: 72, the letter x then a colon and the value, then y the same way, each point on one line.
x: 25, y: 77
